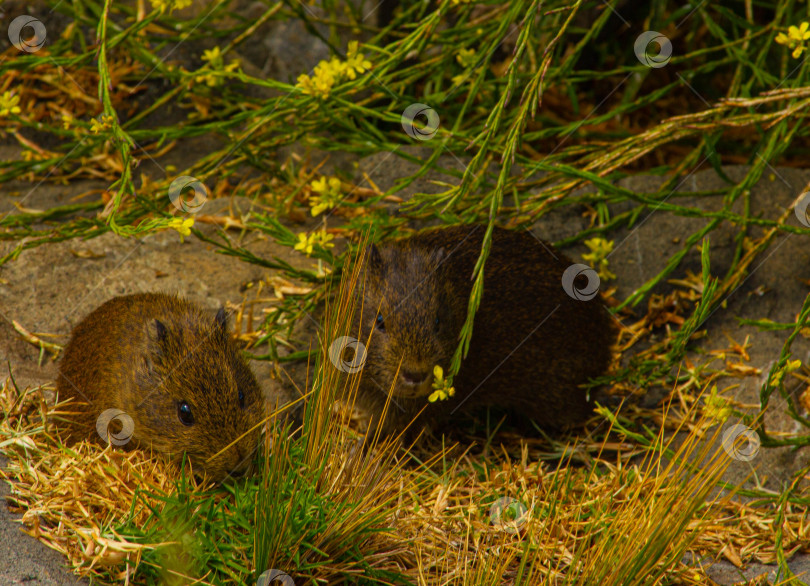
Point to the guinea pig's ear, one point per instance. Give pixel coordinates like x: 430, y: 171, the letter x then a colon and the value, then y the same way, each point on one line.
x: 374, y: 257
x: 156, y: 331
x: 222, y: 320
x: 157, y: 334
x: 439, y: 255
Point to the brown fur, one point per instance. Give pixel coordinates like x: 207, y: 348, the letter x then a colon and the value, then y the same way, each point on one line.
x: 525, y: 355
x: 145, y: 353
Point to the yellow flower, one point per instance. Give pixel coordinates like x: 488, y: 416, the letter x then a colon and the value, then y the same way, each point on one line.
x: 800, y: 33
x: 355, y: 62
x: 459, y: 79
x: 306, y: 243
x: 324, y: 238
x: 600, y: 248
x: 438, y: 373
x: 67, y: 120
x: 790, y: 366
x: 326, y: 186
x: 325, y: 75
x: 442, y: 387
x: 795, y: 38
x: 717, y: 408
x: 304, y: 83
x: 329, y: 197
x: 466, y: 57
x: 182, y: 226
x: 208, y: 79
x: 29, y: 155
x: 213, y: 56
x: 437, y: 396
x: 101, y: 124
x: 215, y: 61
x: 170, y: 5
x: 8, y: 104
x: 319, y: 205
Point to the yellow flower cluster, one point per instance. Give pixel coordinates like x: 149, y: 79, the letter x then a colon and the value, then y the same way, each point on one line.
x: 442, y: 388
x: 307, y: 242
x: 170, y: 5
x: 795, y: 38
x: 8, y: 104
x: 101, y: 124
x: 600, y: 248
x: 329, y: 190
x: 215, y: 63
x: 327, y: 74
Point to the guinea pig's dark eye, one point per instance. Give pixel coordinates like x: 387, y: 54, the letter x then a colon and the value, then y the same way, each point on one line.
x: 241, y: 399
x: 436, y: 324
x: 380, y: 323
x: 184, y: 413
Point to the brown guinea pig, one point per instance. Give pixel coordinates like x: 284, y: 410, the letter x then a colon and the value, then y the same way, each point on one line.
x: 537, y: 336
x: 154, y: 371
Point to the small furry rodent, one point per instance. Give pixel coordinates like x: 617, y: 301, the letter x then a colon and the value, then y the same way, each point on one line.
x: 532, y: 343
x: 174, y: 370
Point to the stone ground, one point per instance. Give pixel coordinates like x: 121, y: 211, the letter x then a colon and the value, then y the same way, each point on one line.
x: 48, y: 289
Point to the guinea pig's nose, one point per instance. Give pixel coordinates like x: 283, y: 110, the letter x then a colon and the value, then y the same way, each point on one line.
x: 415, y: 377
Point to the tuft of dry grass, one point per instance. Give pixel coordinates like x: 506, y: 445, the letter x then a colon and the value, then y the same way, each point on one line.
x: 72, y: 497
